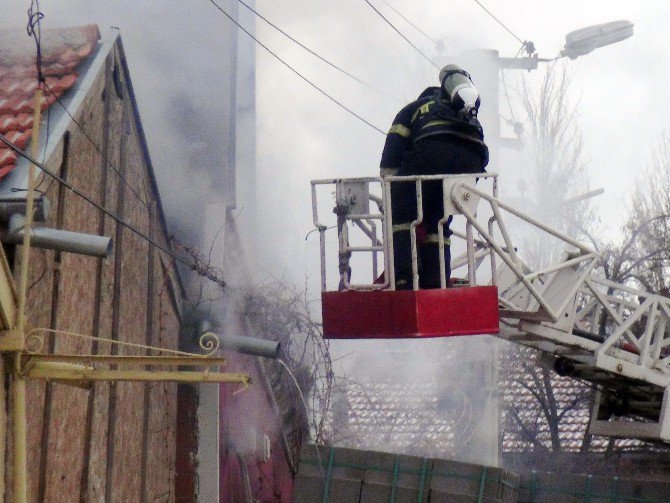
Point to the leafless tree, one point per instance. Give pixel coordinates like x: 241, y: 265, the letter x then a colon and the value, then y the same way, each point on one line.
x: 536, y: 401
x: 283, y: 314
x: 641, y: 256
x: 556, y: 173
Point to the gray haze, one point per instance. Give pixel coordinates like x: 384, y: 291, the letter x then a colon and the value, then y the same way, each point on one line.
x: 180, y: 69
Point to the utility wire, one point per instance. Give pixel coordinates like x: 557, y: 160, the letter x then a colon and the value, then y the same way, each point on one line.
x: 434, y: 41
x: 194, y: 266
x: 108, y: 164
x: 400, y: 33
x: 499, y: 21
x: 331, y: 98
x: 333, y: 65
x: 34, y: 31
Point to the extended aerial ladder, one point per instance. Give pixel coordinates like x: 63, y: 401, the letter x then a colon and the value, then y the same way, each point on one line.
x: 608, y: 334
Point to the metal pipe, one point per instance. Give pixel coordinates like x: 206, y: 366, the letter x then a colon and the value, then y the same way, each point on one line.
x: 249, y: 345
x: 194, y: 361
x: 364, y: 248
x: 387, y: 236
x: 412, y: 234
x: 20, y: 434
x: 56, y: 239
x: 11, y: 206
x: 20, y: 440
x: 440, y: 236
x: 472, y: 277
x: 45, y: 370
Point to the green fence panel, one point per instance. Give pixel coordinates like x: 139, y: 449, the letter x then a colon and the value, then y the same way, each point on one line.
x: 614, y: 496
x: 482, y: 485
x: 329, y: 475
x: 394, y: 482
x: 422, y: 481
x: 587, y: 490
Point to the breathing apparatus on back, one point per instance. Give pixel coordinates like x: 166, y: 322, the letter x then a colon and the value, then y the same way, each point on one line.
x: 462, y: 93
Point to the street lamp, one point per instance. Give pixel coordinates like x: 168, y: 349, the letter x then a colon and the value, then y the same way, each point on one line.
x: 577, y: 43
x: 581, y: 42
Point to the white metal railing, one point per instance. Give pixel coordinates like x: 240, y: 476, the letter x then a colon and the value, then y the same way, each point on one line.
x: 352, y: 209
x: 543, y: 294
x: 630, y: 325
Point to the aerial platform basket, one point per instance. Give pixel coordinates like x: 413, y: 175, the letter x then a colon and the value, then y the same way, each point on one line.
x: 384, y: 314
x: 376, y: 310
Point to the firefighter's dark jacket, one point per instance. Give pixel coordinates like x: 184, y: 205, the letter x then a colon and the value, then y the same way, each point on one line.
x: 430, y: 115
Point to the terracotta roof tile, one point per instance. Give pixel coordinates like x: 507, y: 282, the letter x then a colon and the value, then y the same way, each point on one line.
x: 8, y: 123
x: 57, y: 69
x: 19, y: 138
x: 58, y: 85
x: 63, y: 50
x: 7, y: 157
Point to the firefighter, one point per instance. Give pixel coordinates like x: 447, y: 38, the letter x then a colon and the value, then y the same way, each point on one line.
x: 438, y: 133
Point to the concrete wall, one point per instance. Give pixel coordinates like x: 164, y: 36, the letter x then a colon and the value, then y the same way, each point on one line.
x: 111, y: 442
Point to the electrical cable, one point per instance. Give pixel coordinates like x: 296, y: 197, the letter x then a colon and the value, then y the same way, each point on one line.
x: 434, y: 41
x: 34, y: 29
x: 314, y: 53
x: 400, y: 33
x: 499, y: 21
x: 331, y: 98
x: 108, y: 164
x: 35, y: 16
x: 194, y: 266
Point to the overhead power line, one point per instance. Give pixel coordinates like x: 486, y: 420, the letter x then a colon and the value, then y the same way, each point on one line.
x: 276, y: 56
x: 108, y: 164
x: 409, y: 22
x: 314, y: 53
x: 499, y: 21
x: 400, y: 33
x: 198, y: 269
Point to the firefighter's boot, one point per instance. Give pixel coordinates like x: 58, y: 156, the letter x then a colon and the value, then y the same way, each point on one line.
x: 402, y: 259
x: 430, y: 262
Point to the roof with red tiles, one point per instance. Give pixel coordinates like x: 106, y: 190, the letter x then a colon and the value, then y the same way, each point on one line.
x: 63, y: 51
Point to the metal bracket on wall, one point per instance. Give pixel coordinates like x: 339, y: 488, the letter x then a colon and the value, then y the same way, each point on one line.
x: 22, y: 344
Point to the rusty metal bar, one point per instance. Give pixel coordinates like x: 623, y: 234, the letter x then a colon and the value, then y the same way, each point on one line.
x: 53, y: 371
x: 125, y: 360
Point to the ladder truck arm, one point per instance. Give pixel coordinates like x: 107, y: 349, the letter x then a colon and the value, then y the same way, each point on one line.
x: 608, y: 334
